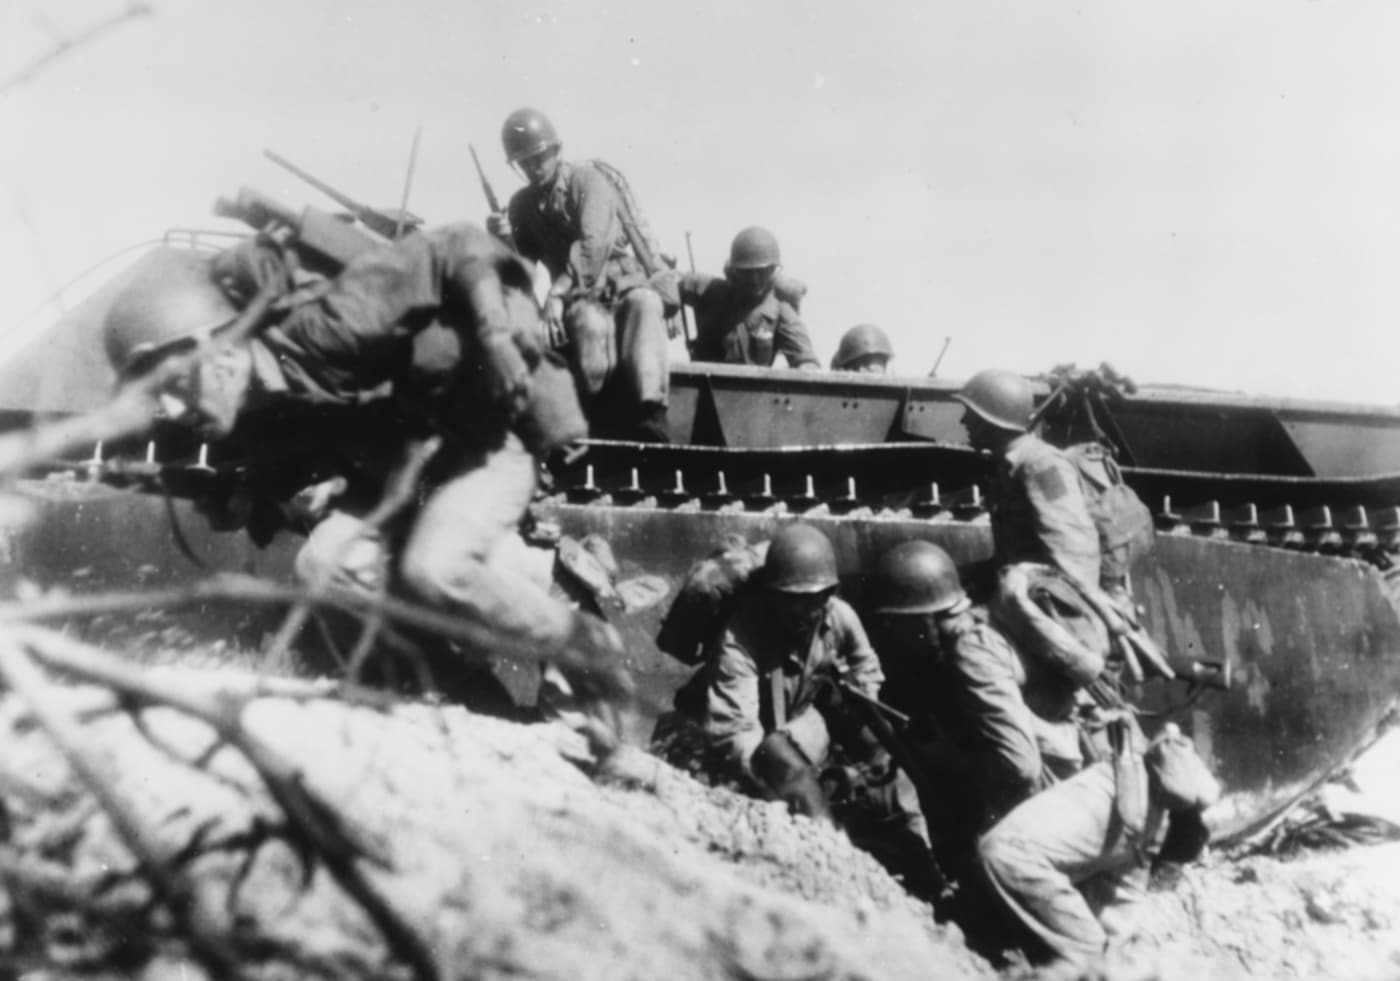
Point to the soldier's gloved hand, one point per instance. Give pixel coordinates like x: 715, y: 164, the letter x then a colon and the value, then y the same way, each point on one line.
x: 498, y: 224
x: 504, y: 374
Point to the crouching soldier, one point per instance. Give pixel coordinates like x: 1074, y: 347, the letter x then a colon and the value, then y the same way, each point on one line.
x: 1070, y: 862
x: 771, y: 721
x: 492, y: 395
x: 965, y: 686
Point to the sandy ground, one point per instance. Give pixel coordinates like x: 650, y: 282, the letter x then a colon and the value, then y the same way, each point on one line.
x: 495, y: 848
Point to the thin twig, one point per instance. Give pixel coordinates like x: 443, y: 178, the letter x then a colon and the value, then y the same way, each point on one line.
x: 65, y: 45
x: 235, y: 587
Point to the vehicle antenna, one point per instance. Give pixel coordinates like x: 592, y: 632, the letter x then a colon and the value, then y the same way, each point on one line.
x: 944, y: 350
x: 408, y: 181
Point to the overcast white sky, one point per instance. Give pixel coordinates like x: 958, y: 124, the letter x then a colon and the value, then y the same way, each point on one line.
x: 1200, y: 192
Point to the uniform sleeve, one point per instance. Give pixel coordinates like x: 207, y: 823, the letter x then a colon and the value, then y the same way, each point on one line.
x: 599, y: 223
x: 732, y: 723
x: 855, y: 661
x: 1062, y: 518
x: 792, y: 341
x: 859, y: 661
x: 1002, y: 726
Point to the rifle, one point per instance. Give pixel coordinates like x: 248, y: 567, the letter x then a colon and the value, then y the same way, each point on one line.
x: 388, y: 223
x: 492, y: 202
x: 881, y: 719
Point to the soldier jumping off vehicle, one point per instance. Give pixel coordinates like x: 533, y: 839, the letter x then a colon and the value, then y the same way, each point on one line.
x: 864, y: 348
x: 572, y: 219
x: 497, y: 401
x: 749, y: 315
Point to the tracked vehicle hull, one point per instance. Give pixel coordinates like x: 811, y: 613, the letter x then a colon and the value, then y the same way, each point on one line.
x: 1277, y: 524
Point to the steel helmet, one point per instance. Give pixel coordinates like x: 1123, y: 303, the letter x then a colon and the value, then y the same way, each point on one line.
x: 800, y: 560
x: 527, y: 132
x: 915, y: 577
x: 1002, y: 398
x: 169, y: 299
x: 754, y: 248
x: 862, y: 340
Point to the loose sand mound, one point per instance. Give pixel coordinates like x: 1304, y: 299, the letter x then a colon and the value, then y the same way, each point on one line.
x: 506, y: 858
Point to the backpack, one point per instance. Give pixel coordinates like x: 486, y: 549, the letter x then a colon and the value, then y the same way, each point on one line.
x: 634, y: 223
x: 707, y: 597
x: 1125, y: 525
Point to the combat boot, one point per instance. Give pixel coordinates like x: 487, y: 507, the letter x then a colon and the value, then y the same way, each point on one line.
x: 652, y: 425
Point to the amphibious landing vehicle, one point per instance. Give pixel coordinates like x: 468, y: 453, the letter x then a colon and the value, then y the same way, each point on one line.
x: 1278, y: 523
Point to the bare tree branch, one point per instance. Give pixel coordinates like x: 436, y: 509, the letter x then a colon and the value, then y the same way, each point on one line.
x: 179, y: 896
x: 610, y: 679
x: 221, y: 707
x: 63, y: 46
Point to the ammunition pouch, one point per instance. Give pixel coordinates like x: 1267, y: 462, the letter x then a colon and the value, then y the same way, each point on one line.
x: 592, y: 336
x: 1180, y: 779
x: 552, y: 416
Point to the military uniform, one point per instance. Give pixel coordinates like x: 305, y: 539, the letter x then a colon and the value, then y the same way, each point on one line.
x: 734, y: 328
x: 976, y: 695
x: 1039, y: 513
x: 574, y: 227
x: 758, y: 684
x: 414, y: 322
x: 1066, y: 867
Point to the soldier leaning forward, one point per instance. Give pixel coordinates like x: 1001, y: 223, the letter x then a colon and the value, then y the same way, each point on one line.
x: 766, y: 702
x: 1070, y: 863
x: 749, y: 315
x: 443, y: 323
x: 571, y: 218
x: 991, y: 727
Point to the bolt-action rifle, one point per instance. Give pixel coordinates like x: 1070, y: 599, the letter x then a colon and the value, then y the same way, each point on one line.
x: 390, y: 223
x: 492, y: 202
x: 882, y: 720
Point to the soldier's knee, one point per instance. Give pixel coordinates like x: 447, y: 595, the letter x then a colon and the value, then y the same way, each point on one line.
x: 341, y: 553
x: 645, y: 304
x: 431, y: 569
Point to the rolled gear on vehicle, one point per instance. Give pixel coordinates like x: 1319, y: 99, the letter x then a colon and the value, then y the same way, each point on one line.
x: 1045, y: 615
x: 706, y: 598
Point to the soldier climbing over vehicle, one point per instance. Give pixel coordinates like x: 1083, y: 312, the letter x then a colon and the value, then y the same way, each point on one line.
x: 750, y: 314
